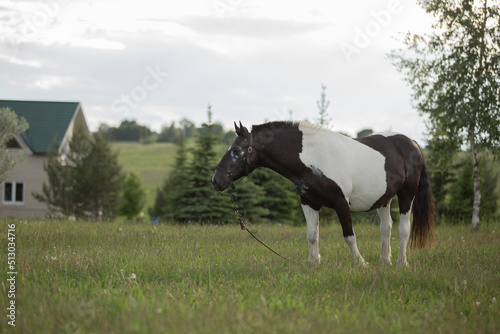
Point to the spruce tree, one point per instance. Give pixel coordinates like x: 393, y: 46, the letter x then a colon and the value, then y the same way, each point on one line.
x: 197, y: 201
x: 168, y: 196
x: 87, y: 181
x: 101, y: 179
x: 323, y: 119
x: 280, y: 197
x: 133, y: 196
x: 251, y: 200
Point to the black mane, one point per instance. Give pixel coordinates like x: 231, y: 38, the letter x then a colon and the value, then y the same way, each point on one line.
x: 274, y: 125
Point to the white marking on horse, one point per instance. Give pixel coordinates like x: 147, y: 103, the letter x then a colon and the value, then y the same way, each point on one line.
x: 356, y: 168
x: 312, y: 219
x: 351, y: 242
x: 385, y: 231
x: 404, y: 235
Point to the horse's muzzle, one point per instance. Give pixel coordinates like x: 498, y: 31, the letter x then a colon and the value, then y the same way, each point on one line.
x: 220, y: 180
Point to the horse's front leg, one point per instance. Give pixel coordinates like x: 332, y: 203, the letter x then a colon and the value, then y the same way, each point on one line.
x: 312, y: 219
x: 344, y: 214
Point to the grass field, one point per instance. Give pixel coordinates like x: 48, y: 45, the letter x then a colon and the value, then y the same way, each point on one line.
x: 84, y: 277
x: 152, y: 163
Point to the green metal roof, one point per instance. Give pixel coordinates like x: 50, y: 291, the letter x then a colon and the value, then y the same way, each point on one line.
x: 48, y: 121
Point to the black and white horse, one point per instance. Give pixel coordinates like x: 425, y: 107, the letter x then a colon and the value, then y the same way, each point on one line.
x: 332, y: 170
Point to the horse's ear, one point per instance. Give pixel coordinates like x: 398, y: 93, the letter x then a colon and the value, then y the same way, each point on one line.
x: 241, y: 130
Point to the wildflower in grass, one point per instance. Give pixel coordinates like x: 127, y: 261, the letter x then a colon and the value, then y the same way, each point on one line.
x: 133, y: 276
x: 53, y: 258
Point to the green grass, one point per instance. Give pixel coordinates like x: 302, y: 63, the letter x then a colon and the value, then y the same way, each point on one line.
x: 85, y: 277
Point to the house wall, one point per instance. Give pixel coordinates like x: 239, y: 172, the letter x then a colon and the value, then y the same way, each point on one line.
x: 31, y: 172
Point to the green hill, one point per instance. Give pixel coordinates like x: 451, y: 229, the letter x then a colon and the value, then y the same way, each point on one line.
x: 151, y: 162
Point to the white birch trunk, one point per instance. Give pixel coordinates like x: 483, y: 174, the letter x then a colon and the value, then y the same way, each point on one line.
x: 477, y: 190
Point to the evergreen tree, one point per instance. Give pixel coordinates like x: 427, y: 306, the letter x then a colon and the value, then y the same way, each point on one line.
x: 168, y: 196
x: 280, y: 197
x: 323, y: 119
x: 87, y: 181
x: 169, y: 134
x: 101, y: 179
x: 198, y: 201
x: 251, y: 200
x: 133, y: 196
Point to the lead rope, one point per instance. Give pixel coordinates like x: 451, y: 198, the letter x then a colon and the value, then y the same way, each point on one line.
x: 242, y: 225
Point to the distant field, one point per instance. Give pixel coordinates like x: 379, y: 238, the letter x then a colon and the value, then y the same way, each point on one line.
x: 84, y: 277
x: 152, y: 163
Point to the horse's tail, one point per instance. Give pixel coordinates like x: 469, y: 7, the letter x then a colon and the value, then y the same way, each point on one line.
x: 422, y: 228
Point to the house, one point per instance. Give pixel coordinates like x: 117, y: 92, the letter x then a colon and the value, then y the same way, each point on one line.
x: 49, y: 123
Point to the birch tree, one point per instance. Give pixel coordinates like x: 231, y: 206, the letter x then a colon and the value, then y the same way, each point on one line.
x: 10, y: 125
x: 454, y: 75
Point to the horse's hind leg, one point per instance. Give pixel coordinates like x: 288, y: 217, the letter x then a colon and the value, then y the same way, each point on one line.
x: 312, y: 219
x: 385, y: 230
x: 405, y: 205
x: 404, y: 235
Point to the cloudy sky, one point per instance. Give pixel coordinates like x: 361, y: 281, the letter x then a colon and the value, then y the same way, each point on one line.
x: 252, y: 60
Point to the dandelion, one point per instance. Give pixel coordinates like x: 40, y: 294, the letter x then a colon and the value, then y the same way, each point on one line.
x: 133, y: 276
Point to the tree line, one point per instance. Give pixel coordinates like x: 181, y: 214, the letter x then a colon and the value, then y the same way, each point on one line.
x: 454, y: 73
x: 131, y: 131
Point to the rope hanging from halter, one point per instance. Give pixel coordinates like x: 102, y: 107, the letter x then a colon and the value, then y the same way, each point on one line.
x: 242, y: 225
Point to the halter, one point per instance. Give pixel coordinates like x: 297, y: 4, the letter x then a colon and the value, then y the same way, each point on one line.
x: 245, y: 161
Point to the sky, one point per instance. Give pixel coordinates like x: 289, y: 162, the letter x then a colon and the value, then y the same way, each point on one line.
x: 251, y: 60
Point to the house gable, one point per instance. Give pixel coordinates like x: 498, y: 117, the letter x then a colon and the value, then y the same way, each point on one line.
x: 49, y: 122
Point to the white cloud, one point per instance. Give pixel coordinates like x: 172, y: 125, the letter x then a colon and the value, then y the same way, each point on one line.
x: 50, y: 82
x: 251, y: 59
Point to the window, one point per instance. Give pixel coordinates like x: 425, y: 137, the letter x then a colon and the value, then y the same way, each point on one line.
x: 12, y: 143
x: 13, y: 192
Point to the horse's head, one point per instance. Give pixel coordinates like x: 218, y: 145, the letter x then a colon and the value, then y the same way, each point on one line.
x: 238, y: 161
